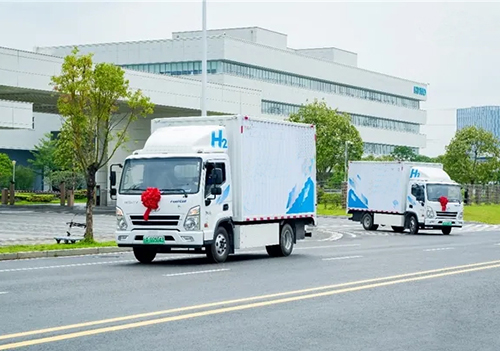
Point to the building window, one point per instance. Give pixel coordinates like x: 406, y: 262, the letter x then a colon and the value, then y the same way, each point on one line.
x: 252, y: 72
x: 278, y: 108
x: 381, y: 149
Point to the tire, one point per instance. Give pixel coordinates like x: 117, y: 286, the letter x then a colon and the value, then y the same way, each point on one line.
x: 367, y: 221
x: 219, y: 250
x: 144, y: 255
x: 446, y: 230
x: 413, y: 225
x: 398, y: 229
x: 285, y: 246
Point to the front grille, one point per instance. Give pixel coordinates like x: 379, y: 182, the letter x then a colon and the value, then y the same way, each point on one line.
x: 446, y: 214
x: 156, y: 220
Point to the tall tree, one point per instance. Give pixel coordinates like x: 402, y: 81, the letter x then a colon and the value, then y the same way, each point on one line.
x: 334, y: 132
x: 473, y: 156
x: 44, y: 156
x: 98, y: 107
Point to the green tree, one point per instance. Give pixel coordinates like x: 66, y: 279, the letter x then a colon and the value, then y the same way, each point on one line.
x: 44, y: 156
x: 25, y: 178
x: 473, y: 156
x: 98, y: 107
x: 333, y: 131
x: 5, y: 170
x: 403, y: 153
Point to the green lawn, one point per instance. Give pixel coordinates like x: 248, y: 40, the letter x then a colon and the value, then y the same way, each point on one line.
x: 47, y: 247
x: 488, y: 214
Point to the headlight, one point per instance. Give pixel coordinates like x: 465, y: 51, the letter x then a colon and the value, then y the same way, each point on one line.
x: 192, y: 221
x: 430, y: 212
x: 460, y: 215
x: 121, y: 222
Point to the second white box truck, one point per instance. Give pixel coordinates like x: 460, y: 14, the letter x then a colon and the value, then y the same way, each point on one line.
x: 217, y: 184
x: 404, y: 195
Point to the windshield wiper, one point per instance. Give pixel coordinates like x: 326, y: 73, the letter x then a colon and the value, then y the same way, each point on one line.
x: 179, y: 190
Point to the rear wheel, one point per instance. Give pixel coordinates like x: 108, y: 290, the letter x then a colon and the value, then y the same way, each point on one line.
x: 446, y: 230
x: 285, y: 246
x: 219, y: 250
x: 398, y: 229
x: 144, y: 255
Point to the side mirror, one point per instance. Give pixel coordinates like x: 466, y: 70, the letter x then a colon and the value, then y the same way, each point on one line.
x: 112, y: 178
x: 216, y: 191
x: 112, y: 191
x: 217, y: 176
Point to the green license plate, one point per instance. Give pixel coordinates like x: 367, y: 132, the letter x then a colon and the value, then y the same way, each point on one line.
x: 153, y: 240
x: 446, y: 223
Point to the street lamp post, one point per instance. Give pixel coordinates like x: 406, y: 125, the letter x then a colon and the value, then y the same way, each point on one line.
x: 204, y: 65
x: 13, y: 171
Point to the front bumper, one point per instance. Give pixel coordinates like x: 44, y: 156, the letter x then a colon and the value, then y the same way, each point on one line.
x: 173, y: 239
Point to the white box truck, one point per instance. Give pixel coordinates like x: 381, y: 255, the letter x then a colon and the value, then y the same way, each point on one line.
x: 217, y: 184
x: 403, y: 195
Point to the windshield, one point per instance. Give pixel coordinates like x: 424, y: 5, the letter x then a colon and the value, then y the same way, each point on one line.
x: 451, y: 192
x: 170, y: 175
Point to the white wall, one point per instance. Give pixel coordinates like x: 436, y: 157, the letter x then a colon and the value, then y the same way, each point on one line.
x: 26, y: 139
x: 440, y: 129
x: 15, y: 115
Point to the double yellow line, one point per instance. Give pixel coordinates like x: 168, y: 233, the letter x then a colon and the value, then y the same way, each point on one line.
x: 237, y: 305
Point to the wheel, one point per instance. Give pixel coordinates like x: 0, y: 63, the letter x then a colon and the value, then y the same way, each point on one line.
x: 285, y: 246
x: 219, y: 250
x: 446, y: 230
x: 367, y: 222
x: 398, y: 229
x: 413, y: 225
x: 144, y: 255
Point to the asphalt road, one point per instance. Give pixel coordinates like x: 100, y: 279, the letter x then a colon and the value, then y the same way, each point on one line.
x: 362, y: 292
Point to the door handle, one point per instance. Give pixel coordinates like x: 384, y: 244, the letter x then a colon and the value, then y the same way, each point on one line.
x: 225, y: 207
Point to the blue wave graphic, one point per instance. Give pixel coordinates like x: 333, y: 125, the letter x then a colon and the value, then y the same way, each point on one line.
x: 305, y: 202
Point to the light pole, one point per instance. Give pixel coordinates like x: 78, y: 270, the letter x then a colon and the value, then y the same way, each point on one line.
x: 347, y: 143
x: 204, y: 61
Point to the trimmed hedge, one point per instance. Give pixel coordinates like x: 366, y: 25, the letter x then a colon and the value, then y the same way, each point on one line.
x: 45, y: 198
x: 80, y: 194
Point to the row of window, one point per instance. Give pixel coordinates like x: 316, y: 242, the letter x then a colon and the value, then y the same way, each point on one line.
x: 278, y: 108
x: 381, y: 149
x: 243, y: 70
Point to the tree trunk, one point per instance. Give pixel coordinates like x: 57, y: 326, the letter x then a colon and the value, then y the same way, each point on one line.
x: 89, y: 232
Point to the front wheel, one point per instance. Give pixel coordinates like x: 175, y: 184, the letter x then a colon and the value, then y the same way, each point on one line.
x: 413, y: 225
x: 446, y: 230
x: 367, y: 221
x: 144, y: 255
x: 219, y: 250
x: 285, y: 246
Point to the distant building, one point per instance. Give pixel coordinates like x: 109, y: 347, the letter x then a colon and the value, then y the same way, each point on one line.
x: 440, y: 128
x: 485, y: 117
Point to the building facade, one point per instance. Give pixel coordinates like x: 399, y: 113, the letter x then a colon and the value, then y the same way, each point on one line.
x: 440, y: 128
x: 485, y: 117
x: 385, y: 109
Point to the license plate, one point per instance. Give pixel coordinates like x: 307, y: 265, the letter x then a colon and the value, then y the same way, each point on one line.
x: 446, y: 223
x: 153, y: 240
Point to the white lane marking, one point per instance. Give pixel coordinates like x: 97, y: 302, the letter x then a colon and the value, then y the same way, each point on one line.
x: 440, y: 249
x: 3, y: 292
x: 195, y: 272
x: 333, y: 237
x: 62, y: 266
x: 341, y: 258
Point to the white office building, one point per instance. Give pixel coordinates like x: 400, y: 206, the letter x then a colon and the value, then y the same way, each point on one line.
x: 386, y: 110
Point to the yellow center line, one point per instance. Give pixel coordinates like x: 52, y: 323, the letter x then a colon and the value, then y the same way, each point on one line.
x: 235, y: 301
x: 233, y: 308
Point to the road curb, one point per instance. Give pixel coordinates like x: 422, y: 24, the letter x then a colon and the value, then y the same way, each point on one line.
x: 61, y: 253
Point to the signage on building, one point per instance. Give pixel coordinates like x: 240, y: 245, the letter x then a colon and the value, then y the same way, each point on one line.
x: 419, y: 91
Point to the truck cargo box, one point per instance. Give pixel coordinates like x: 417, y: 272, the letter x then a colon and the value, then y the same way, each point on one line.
x: 273, y: 164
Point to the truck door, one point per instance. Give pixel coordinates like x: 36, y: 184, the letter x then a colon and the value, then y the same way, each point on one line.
x: 416, y: 200
x: 219, y: 206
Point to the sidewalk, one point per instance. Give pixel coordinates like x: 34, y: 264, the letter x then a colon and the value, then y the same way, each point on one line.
x: 78, y: 208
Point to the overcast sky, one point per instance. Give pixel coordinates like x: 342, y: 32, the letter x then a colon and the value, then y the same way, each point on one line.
x: 453, y: 46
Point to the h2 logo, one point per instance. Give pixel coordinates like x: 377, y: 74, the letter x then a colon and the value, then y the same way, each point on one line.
x: 414, y: 173
x: 219, y: 139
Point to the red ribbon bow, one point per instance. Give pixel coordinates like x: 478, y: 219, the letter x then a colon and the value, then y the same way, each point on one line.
x: 150, y: 199
x: 443, y: 200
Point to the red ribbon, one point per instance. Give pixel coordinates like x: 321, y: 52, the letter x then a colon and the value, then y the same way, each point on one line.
x: 150, y: 199
x: 443, y: 200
